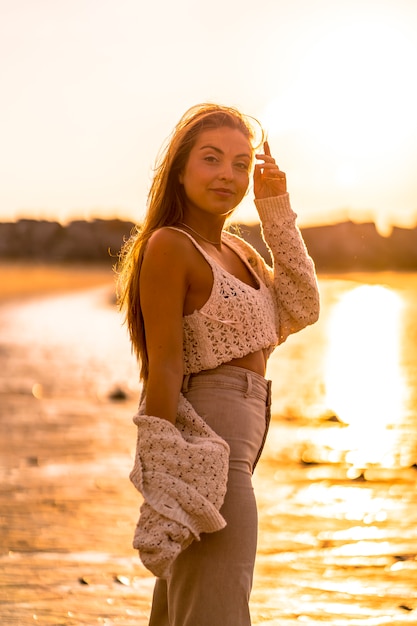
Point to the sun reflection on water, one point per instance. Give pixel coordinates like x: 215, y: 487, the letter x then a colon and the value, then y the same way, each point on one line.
x: 364, y: 381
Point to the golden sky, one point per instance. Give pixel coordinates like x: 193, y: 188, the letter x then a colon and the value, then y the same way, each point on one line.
x: 91, y: 89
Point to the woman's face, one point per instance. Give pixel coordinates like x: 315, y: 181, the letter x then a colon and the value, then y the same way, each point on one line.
x: 216, y: 175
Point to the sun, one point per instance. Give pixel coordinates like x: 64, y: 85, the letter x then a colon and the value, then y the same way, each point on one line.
x: 347, y: 175
x: 348, y: 118
x: 349, y: 83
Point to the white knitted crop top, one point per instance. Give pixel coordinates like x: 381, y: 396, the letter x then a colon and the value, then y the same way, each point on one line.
x: 238, y: 319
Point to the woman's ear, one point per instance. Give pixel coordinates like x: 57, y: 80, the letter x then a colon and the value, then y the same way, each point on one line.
x: 181, y: 177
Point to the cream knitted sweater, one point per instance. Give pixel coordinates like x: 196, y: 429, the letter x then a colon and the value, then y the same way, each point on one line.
x: 181, y: 472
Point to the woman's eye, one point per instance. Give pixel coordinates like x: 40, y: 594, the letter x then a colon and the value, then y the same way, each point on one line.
x: 243, y: 166
x: 210, y: 159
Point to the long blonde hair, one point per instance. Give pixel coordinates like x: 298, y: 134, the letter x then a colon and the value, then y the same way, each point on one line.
x: 166, y: 200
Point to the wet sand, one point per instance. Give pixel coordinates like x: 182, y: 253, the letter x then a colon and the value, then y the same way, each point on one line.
x: 66, y: 504
x: 334, y: 547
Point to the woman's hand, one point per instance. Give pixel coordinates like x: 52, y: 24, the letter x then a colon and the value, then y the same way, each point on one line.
x: 268, y: 180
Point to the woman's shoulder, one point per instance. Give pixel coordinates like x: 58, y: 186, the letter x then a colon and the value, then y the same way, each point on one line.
x: 248, y: 252
x: 168, y: 239
x: 239, y: 244
x: 171, y: 245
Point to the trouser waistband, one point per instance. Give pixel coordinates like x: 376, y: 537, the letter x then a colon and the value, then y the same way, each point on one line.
x: 249, y: 382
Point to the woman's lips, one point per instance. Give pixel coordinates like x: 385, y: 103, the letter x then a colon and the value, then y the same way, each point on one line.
x: 223, y: 192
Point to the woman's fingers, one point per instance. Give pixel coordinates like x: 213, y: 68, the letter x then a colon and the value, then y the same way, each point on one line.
x: 268, y: 178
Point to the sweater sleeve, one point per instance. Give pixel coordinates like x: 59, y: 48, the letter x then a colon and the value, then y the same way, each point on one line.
x: 292, y: 276
x: 181, y: 472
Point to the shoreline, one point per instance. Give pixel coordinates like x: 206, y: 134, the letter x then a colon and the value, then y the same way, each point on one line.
x: 28, y: 279
x: 22, y: 280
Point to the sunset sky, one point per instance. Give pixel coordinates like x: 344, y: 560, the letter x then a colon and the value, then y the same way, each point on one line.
x: 91, y: 89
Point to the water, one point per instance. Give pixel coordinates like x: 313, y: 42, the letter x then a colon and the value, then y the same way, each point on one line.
x: 336, y: 485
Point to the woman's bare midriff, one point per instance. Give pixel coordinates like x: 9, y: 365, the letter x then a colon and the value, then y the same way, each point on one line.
x: 255, y: 362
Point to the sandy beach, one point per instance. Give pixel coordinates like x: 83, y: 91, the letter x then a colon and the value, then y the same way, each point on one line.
x: 20, y: 280
x: 66, y: 502
x: 337, y: 542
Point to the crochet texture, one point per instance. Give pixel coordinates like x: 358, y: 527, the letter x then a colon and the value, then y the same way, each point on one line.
x: 238, y: 319
x: 181, y: 472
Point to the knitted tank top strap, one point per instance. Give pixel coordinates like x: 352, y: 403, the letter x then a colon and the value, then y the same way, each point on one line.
x: 208, y: 258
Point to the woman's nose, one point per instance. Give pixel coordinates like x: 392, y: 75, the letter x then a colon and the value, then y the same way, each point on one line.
x: 226, y: 172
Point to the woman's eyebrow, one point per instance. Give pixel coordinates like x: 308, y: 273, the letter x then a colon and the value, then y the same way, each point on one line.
x: 244, y: 154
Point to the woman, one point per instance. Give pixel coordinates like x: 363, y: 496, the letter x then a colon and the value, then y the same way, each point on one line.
x: 204, y: 312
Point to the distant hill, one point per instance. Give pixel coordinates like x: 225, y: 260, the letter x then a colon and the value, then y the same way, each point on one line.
x: 339, y: 247
x: 88, y: 241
